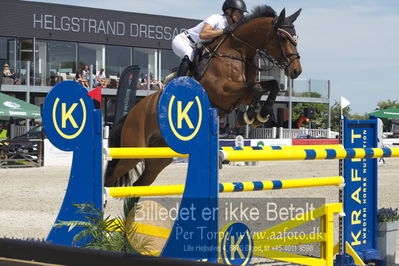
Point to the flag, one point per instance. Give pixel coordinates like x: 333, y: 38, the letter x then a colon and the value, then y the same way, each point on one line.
x: 96, y: 94
x: 344, y: 102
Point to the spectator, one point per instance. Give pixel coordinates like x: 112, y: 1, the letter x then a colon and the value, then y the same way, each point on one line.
x: 3, y: 137
x: 53, y: 78
x: 7, y: 72
x: 3, y: 133
x: 101, y: 78
x: 81, y: 77
x: 143, y: 82
x: 85, y: 71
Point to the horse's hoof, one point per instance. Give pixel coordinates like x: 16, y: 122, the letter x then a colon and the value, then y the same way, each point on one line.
x: 251, y: 113
x: 262, y: 119
x: 247, y: 120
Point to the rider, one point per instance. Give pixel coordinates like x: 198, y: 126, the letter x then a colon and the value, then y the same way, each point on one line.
x: 214, y: 26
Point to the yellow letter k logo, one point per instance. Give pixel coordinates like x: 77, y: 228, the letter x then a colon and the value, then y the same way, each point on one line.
x: 236, y: 247
x: 183, y: 114
x: 67, y: 115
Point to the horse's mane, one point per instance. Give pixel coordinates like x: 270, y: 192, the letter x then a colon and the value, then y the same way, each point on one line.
x: 258, y: 12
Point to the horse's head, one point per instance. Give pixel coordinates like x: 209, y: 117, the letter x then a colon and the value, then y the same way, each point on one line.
x: 282, y: 45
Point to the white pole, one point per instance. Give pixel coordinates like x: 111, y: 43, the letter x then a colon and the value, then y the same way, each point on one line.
x: 27, y: 90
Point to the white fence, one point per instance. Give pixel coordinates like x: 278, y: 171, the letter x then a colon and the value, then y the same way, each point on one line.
x: 264, y: 133
x: 285, y: 133
x: 16, y: 131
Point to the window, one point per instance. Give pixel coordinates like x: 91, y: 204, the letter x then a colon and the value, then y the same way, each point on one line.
x: 117, y: 59
x: 3, y: 47
x: 8, y: 52
x: 92, y: 54
x: 61, y: 57
x: 168, y: 61
x: 25, y: 54
x: 146, y: 59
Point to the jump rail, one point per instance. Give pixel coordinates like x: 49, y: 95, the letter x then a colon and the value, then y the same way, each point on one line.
x: 307, y: 154
x: 167, y: 190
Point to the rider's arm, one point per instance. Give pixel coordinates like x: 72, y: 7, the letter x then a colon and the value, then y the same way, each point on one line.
x: 208, y: 33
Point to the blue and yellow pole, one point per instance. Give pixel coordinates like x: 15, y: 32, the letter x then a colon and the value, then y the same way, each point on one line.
x: 307, y: 154
x: 143, y: 191
x: 294, y: 147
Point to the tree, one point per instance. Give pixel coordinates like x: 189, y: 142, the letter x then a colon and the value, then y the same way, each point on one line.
x: 336, y: 115
x: 321, y: 113
x: 387, y: 104
x: 356, y: 116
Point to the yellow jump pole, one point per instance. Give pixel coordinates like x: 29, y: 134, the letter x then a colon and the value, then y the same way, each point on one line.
x: 308, y: 154
x: 144, y: 191
x: 142, y: 153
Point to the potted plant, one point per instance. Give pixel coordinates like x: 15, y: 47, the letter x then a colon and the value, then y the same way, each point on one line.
x: 388, y: 225
x: 117, y: 235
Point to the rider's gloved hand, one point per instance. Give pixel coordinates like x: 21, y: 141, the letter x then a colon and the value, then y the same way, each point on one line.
x: 229, y: 29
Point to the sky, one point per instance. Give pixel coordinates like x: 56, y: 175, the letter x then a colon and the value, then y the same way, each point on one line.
x: 352, y: 43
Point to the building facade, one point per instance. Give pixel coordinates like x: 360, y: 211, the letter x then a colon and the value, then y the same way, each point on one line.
x: 47, y: 43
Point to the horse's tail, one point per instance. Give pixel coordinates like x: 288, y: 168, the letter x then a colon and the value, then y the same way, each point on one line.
x: 114, y: 140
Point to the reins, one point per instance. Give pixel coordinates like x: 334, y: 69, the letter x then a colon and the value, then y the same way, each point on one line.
x: 262, y: 53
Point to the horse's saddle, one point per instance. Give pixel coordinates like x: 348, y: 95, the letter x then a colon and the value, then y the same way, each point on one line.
x: 201, y: 60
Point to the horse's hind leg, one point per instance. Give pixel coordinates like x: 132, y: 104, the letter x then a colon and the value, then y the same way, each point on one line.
x: 152, y: 168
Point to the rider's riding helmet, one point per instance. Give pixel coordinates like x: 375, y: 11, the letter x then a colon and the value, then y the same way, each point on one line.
x: 236, y: 4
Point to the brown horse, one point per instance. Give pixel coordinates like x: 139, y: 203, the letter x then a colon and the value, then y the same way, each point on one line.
x: 229, y: 79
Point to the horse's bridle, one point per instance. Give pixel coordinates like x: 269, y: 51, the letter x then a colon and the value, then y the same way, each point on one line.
x: 265, y: 55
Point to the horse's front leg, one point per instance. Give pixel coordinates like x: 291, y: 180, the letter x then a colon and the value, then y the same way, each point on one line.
x: 266, y: 110
x: 258, y: 113
x: 252, y: 100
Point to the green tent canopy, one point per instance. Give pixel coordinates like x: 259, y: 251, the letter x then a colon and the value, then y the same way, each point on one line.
x: 386, y: 113
x: 13, y: 107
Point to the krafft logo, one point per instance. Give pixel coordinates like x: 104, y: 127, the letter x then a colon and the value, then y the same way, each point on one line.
x: 69, y: 119
x: 185, y: 117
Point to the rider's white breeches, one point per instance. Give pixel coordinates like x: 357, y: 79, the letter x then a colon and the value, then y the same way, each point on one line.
x: 182, y: 46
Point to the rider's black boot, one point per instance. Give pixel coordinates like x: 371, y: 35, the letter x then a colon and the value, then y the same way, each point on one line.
x: 184, y: 67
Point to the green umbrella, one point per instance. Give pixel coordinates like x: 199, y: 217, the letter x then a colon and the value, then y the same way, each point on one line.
x: 13, y: 107
x: 386, y: 113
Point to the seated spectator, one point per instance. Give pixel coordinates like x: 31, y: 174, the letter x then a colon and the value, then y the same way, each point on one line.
x: 142, y: 84
x: 101, y: 78
x: 85, y: 71
x: 52, y: 78
x: 157, y: 85
x: 81, y: 77
x: 7, y: 72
